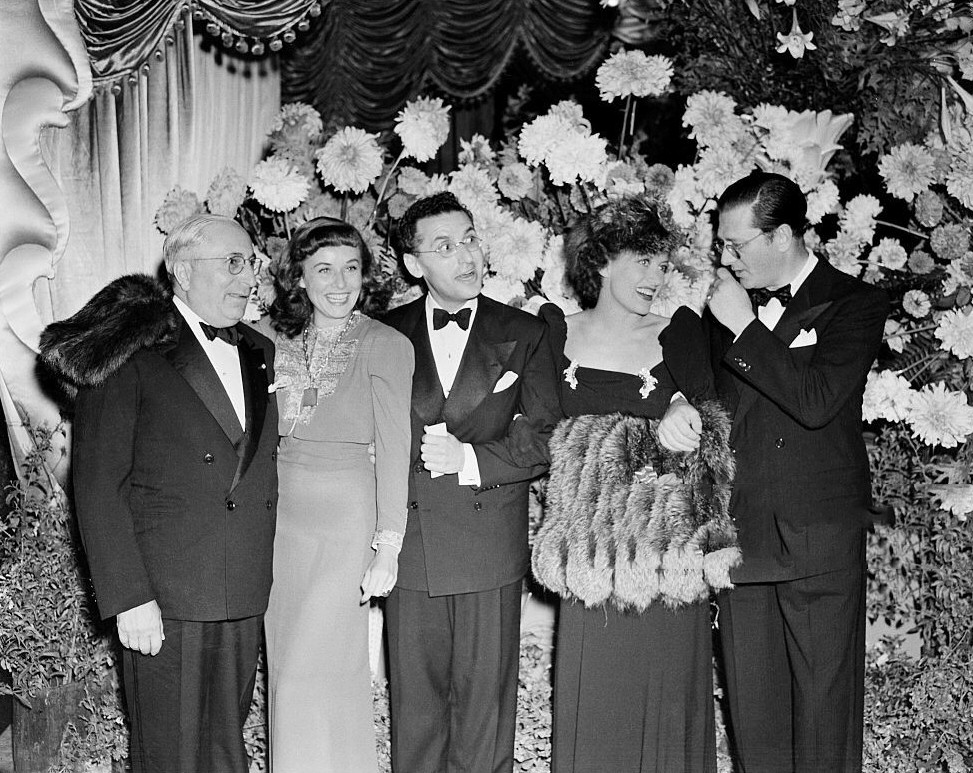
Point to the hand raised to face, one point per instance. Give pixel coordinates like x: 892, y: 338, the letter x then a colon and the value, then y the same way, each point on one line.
x: 729, y: 302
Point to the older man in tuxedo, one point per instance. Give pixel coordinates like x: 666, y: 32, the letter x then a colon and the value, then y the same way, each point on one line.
x: 176, y: 489
x: 484, y: 402
x: 790, y: 361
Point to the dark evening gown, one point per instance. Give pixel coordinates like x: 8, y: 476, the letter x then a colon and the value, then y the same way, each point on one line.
x: 633, y: 692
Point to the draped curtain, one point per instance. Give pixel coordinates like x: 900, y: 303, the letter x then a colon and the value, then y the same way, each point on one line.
x: 363, y: 59
x: 191, y: 113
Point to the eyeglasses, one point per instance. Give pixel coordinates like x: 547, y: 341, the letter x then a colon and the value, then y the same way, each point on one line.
x: 235, y: 263
x: 448, y: 249
x: 720, y: 246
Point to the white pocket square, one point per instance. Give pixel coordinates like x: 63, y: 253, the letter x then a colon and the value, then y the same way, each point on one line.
x: 506, y: 380
x: 804, y: 338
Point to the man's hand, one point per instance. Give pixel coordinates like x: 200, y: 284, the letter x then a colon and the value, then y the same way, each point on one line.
x: 680, y: 428
x: 729, y: 302
x: 442, y: 453
x: 381, y: 574
x: 140, y: 628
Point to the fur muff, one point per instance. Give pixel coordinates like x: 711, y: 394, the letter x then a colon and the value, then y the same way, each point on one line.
x: 133, y: 312
x: 629, y: 523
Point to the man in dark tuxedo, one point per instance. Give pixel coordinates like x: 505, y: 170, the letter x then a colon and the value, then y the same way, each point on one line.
x: 484, y: 401
x: 175, y: 485
x: 791, y: 366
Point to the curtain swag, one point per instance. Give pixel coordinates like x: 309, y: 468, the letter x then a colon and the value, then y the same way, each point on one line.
x: 124, y: 36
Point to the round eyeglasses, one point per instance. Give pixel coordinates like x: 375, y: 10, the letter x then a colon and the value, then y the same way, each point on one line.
x: 720, y: 246
x: 448, y: 249
x: 235, y: 263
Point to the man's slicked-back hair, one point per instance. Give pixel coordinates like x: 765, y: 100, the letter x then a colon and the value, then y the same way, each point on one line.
x: 775, y: 199
x: 429, y: 206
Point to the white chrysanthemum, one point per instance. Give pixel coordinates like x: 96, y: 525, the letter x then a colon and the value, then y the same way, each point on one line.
x: 939, y: 417
x: 896, y: 335
x: 515, y: 181
x: 540, y: 135
x: 298, y: 116
x: 577, y: 157
x: 889, y: 253
x: 553, y: 281
x: 423, y: 126
x: 685, y: 199
x: 473, y: 187
x: 277, y: 185
x: 822, y: 201
x: 676, y: 290
x: 502, y: 289
x: 226, y: 193
x: 518, y: 251
x: 632, y: 73
x: 955, y: 331
x: 350, y: 161
x: 908, y: 170
x: 959, y: 179
x: 916, y: 303
x: 437, y: 184
x: 178, y: 205
x: 955, y: 498
x: 773, y: 118
x: 712, y: 116
x: 412, y: 181
x: 359, y: 211
x: 887, y: 396
x: 858, y: 217
x: 475, y: 151
x: 957, y: 275
x: 490, y: 220
x: 573, y: 113
x: 718, y: 166
x: 845, y: 253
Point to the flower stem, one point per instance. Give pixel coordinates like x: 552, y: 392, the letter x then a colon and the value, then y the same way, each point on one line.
x: 385, y: 185
x: 887, y: 224
x: 287, y: 227
x: 621, y: 139
x: 344, y: 206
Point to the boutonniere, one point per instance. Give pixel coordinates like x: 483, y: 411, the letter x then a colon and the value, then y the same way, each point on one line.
x: 569, y: 378
x: 648, y: 382
x: 281, y: 383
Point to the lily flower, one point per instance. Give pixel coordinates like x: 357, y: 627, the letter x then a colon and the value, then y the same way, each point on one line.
x: 795, y: 42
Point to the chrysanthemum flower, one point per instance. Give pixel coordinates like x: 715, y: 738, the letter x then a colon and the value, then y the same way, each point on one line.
x: 503, y: 290
x: 577, y: 157
x: 929, y: 209
x: 950, y: 241
x: 908, y: 170
x: 921, y: 262
x: 916, y: 304
x: 473, y: 187
x: 955, y: 331
x: 858, y: 218
x: 718, y: 166
x: 938, y: 417
x: 423, y: 126
x: 540, y: 135
x: 298, y: 117
x: 959, y: 179
x: 515, y: 181
x: 889, y: 253
x: 712, y: 116
x: 632, y: 73
x: 350, y: 161
x: 887, y: 396
x: 178, y: 205
x: 821, y: 201
x: 277, y: 185
x: 226, y: 193
x: 476, y: 150
x: 845, y: 252
x: 518, y: 251
x: 412, y: 181
x: 955, y: 498
x: 676, y: 290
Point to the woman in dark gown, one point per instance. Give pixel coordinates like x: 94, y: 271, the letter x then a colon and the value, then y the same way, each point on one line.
x: 633, y: 691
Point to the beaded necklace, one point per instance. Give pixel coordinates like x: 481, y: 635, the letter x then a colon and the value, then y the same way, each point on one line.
x: 310, y: 396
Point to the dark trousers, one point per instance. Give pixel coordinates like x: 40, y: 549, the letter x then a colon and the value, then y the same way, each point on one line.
x: 794, y: 655
x: 453, y: 663
x: 187, y: 705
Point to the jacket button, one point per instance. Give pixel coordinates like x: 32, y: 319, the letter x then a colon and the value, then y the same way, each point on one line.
x: 413, y: 505
x: 208, y: 458
x: 779, y: 442
x: 270, y: 505
x: 230, y: 505
x: 477, y: 506
x: 418, y: 468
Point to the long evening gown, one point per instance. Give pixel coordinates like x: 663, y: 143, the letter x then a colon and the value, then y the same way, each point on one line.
x: 333, y: 502
x: 633, y: 692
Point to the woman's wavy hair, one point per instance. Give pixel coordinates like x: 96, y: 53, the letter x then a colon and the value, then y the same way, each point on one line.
x: 291, y: 310
x: 635, y: 224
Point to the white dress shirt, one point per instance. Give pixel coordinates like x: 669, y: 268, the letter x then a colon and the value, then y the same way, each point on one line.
x: 225, y: 360
x: 771, y: 313
x: 448, y: 344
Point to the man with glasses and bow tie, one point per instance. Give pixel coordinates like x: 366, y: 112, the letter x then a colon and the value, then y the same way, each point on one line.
x: 175, y: 483
x: 484, y: 402
x: 791, y: 340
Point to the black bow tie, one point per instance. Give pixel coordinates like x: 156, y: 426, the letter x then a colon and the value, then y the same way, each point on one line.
x: 229, y: 334
x: 761, y: 296
x: 441, y: 318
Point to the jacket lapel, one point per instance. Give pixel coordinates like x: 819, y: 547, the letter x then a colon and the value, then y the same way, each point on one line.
x: 191, y: 362
x: 427, y: 393
x: 483, y: 361
x: 254, y: 372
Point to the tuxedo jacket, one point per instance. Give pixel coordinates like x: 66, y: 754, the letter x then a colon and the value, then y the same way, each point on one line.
x: 802, y: 494
x: 461, y: 539
x: 174, y: 501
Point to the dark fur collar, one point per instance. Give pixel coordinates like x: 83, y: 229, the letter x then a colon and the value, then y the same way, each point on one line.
x: 132, y: 313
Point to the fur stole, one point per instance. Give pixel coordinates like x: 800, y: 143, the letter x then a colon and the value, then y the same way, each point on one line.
x: 627, y: 522
x: 132, y: 313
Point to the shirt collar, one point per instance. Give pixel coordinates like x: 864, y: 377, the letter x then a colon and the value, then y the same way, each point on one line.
x: 431, y: 306
x: 804, y: 273
x: 192, y: 320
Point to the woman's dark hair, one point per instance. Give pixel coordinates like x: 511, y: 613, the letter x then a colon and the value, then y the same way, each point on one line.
x: 430, y: 206
x: 635, y: 224
x: 291, y: 310
x: 775, y: 200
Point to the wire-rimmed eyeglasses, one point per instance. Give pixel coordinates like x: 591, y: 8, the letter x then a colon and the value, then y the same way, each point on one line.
x: 720, y: 246
x: 235, y: 263
x: 448, y: 249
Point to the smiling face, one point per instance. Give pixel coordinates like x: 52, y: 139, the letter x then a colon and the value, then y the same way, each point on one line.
x: 203, y: 280
x: 332, y: 278
x: 452, y: 280
x: 632, y: 279
x: 758, y: 260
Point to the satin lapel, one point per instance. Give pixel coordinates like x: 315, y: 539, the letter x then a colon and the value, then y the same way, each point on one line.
x: 253, y: 368
x: 483, y: 361
x: 191, y: 362
x: 427, y: 392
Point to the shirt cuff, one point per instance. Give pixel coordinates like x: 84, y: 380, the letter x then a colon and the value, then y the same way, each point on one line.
x: 470, y: 474
x: 387, y: 537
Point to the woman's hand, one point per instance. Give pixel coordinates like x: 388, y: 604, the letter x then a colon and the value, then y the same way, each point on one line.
x: 380, y: 576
